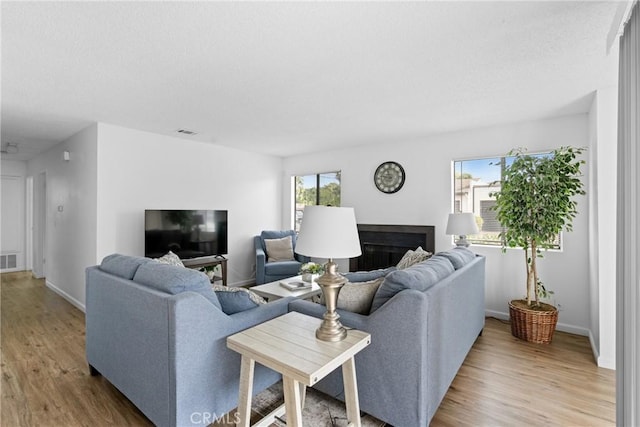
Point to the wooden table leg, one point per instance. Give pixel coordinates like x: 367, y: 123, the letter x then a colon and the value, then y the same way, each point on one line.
x: 292, y: 402
x: 303, y: 395
x: 351, y: 392
x: 247, y: 366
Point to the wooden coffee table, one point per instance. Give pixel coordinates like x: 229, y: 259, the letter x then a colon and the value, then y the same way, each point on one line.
x: 273, y: 291
x: 288, y: 345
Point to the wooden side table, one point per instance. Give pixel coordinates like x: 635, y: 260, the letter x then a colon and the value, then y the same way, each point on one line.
x: 288, y: 345
x: 198, y: 263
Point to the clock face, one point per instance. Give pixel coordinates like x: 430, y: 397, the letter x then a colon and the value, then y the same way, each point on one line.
x: 389, y: 177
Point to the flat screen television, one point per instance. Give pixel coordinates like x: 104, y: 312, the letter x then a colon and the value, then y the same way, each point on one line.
x: 187, y: 233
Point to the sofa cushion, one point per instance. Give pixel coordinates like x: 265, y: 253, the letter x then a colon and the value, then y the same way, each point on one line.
x: 171, y: 259
x: 366, y: 276
x: 124, y: 266
x: 175, y: 280
x: 290, y: 268
x: 279, y: 249
x: 358, y: 296
x: 236, y: 299
x: 420, y: 276
x: 459, y: 256
x: 413, y: 257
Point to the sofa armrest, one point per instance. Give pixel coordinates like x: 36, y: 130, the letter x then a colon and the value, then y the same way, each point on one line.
x: 261, y: 259
x: 206, y: 372
x: 303, y: 259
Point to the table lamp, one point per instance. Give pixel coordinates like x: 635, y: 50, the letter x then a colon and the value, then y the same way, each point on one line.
x: 461, y: 224
x: 329, y: 232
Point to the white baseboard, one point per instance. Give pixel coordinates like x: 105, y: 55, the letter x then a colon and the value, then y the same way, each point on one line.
x: 560, y: 326
x: 11, y: 270
x: 602, y: 362
x: 594, y: 347
x: 497, y: 314
x: 66, y: 296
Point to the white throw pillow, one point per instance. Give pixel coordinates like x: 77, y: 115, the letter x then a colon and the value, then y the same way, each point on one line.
x: 171, y: 259
x: 413, y: 257
x: 357, y: 297
x: 279, y: 249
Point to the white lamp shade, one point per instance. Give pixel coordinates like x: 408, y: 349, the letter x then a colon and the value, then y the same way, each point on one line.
x: 328, y: 232
x: 462, y: 224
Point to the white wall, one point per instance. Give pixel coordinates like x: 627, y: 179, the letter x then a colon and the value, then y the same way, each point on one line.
x: 13, y: 214
x: 426, y: 199
x: 70, y: 212
x: 602, y: 224
x: 140, y: 170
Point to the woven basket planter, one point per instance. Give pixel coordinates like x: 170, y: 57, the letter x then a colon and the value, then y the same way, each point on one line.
x: 535, y: 326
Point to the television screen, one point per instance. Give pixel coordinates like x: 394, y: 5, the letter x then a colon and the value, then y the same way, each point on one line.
x: 188, y: 234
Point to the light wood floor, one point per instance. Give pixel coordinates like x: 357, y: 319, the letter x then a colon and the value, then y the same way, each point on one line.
x: 503, y: 382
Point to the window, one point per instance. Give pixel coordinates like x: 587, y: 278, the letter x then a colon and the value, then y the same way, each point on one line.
x: 318, y: 189
x: 474, y: 181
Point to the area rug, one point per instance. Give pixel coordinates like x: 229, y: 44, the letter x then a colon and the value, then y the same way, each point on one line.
x: 320, y: 410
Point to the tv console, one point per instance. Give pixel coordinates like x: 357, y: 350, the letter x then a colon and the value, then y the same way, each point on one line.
x: 209, y: 261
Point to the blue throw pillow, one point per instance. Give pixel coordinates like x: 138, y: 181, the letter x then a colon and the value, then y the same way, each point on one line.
x: 236, y: 299
x: 124, y: 266
x: 420, y: 276
x: 174, y: 280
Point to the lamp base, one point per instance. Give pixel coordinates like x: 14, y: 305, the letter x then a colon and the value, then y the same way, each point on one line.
x: 462, y: 241
x: 330, y: 283
x: 331, y: 329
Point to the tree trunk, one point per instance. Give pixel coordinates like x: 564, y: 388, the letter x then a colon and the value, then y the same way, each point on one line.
x: 526, y: 258
x: 534, y: 269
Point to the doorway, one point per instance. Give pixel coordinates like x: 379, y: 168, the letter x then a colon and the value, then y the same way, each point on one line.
x: 28, y: 262
x: 40, y: 226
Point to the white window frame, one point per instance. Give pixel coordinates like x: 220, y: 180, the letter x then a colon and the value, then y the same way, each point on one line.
x: 457, y: 199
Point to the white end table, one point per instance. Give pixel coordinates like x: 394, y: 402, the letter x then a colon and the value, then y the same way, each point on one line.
x: 273, y: 290
x: 288, y: 345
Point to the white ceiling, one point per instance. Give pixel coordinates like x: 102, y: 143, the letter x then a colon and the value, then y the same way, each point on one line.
x: 295, y: 77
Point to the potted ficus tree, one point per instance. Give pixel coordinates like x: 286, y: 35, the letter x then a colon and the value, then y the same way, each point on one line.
x: 535, y: 202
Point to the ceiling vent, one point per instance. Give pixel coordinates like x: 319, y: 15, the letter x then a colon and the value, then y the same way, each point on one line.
x: 186, y: 132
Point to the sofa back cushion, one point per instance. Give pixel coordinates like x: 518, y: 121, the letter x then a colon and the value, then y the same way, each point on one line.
x: 174, y: 280
x: 123, y: 266
x: 459, y: 256
x: 367, y: 276
x: 420, y: 277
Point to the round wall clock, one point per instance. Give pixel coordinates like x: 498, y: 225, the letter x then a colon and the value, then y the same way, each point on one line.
x: 389, y: 177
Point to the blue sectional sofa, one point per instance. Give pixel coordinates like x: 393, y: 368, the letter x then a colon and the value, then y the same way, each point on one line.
x: 423, y: 321
x: 158, y: 333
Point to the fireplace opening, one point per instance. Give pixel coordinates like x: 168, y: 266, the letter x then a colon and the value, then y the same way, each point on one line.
x: 384, y: 245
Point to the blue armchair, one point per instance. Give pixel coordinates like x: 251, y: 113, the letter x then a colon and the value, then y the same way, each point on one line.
x: 271, y: 271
